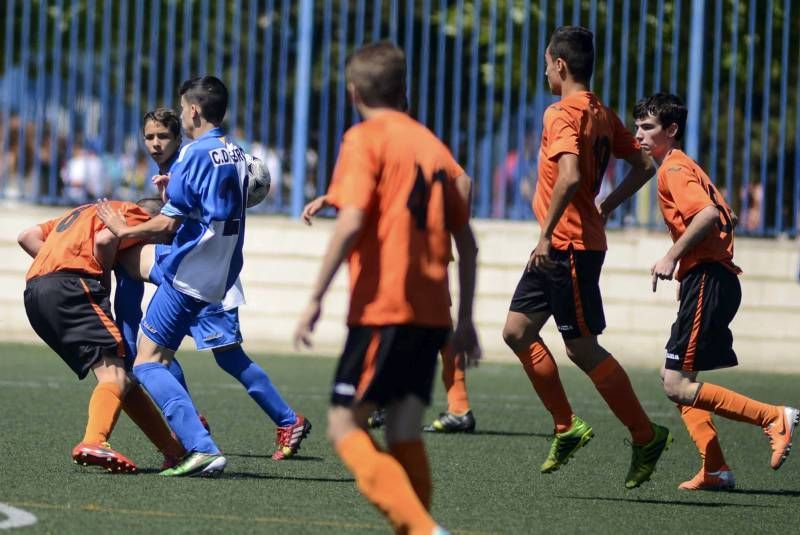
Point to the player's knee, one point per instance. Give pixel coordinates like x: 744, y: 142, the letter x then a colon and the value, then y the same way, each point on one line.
x: 515, y: 337
x: 677, y: 389
x: 341, y: 422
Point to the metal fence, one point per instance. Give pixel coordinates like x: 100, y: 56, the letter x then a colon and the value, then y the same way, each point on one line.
x: 77, y: 75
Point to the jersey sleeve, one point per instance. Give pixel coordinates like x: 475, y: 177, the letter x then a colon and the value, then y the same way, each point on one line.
x: 623, y: 143
x: 181, y: 192
x: 355, y: 176
x: 687, y: 191
x: 47, y: 227
x: 562, y: 133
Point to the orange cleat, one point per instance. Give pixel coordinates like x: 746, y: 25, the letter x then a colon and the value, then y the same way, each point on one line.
x: 104, y: 456
x: 722, y: 479
x: 780, y: 435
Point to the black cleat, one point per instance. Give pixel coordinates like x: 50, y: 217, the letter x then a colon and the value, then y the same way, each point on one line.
x: 447, y: 422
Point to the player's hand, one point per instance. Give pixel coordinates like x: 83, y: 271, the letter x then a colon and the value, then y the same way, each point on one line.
x: 540, y: 257
x: 160, y: 182
x: 312, y: 208
x: 465, y: 341
x: 603, y: 214
x: 663, y: 269
x: 113, y: 219
x: 306, y: 324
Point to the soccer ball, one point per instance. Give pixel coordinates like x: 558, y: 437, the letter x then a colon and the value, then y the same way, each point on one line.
x: 258, y: 180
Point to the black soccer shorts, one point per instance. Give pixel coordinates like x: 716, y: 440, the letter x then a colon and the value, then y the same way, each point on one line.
x: 701, y: 339
x: 385, y: 363
x: 72, y: 314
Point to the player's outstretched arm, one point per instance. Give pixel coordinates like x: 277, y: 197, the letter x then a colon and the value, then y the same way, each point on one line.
x: 642, y: 169
x: 31, y: 240
x: 153, y: 229
x: 567, y: 183
x: 312, y: 208
x: 702, y: 223
x: 349, y: 223
x: 465, y: 337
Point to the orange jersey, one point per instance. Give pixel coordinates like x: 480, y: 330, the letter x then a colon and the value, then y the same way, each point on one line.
x: 683, y: 190
x: 403, y: 178
x: 579, y: 124
x: 69, y: 240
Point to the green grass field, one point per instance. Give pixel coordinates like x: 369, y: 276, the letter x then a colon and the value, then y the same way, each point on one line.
x: 487, y: 482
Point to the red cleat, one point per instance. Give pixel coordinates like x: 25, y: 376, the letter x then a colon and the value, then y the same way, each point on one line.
x: 103, y: 456
x: 289, y: 438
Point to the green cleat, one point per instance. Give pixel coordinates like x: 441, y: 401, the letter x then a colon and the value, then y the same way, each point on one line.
x: 566, y: 444
x: 644, y: 458
x: 197, y: 464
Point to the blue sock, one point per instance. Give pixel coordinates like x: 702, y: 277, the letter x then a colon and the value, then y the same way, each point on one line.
x: 176, y: 370
x: 177, y: 407
x: 128, y: 311
x: 258, y: 385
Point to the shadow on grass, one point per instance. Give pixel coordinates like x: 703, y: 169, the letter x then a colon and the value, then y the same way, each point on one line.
x: 765, y: 492
x: 251, y: 475
x: 666, y: 502
x: 269, y: 456
x: 492, y: 433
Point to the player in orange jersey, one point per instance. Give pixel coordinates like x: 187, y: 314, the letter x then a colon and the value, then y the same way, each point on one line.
x: 701, y: 225
x: 67, y: 303
x: 395, y: 188
x: 561, y: 279
x: 458, y: 418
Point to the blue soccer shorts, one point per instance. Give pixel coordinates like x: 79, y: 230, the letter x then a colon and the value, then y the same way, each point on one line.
x: 212, y: 327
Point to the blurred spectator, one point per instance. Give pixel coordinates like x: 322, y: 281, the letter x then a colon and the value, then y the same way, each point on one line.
x: 83, y: 175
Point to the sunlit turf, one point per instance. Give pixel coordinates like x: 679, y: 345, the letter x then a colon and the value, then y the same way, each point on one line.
x: 484, y: 482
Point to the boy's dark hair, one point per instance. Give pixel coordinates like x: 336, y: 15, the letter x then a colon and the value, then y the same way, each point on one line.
x: 151, y: 205
x: 665, y: 107
x: 166, y: 117
x: 378, y: 72
x: 210, y: 94
x: 575, y: 46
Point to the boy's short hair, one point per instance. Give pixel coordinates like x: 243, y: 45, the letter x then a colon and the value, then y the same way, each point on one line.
x: 378, y: 72
x: 166, y: 117
x: 575, y: 46
x: 210, y: 94
x: 665, y: 107
x: 151, y: 205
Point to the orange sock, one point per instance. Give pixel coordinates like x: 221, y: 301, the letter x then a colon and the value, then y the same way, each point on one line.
x: 144, y: 413
x: 104, y: 406
x: 704, y: 434
x: 613, y: 384
x: 384, y: 483
x: 455, y: 381
x: 543, y: 373
x: 733, y: 406
x: 411, y: 456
